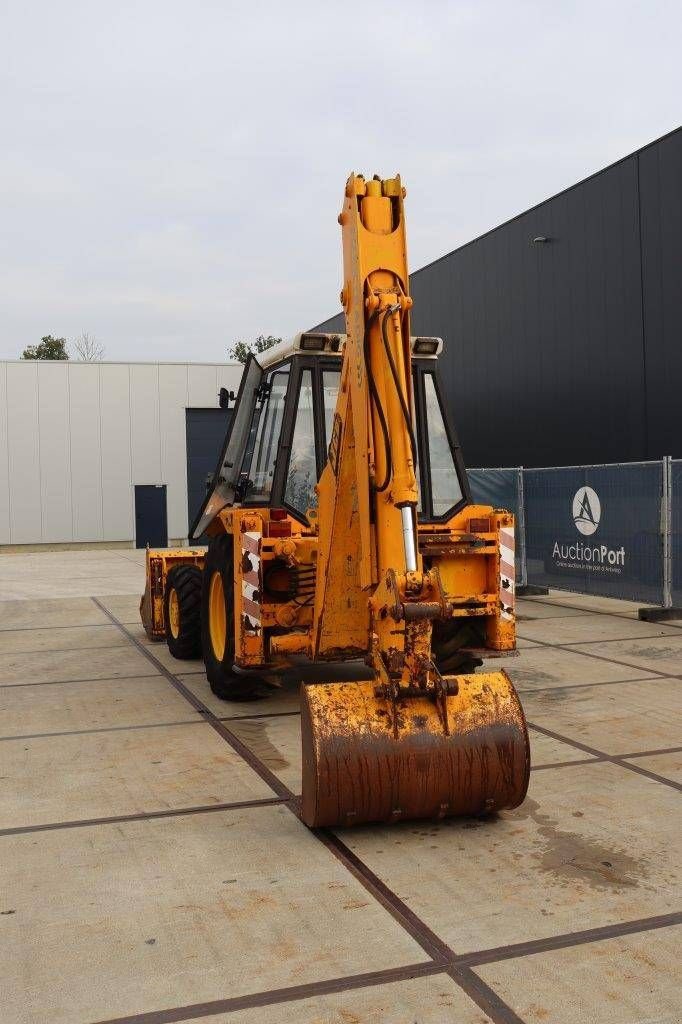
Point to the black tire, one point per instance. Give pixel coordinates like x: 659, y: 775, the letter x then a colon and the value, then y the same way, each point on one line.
x: 223, y: 680
x: 447, y: 639
x: 183, y: 629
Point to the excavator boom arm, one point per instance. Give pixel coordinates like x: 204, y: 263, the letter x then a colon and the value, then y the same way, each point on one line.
x: 412, y: 742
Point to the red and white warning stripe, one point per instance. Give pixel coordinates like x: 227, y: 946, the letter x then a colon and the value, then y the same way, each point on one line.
x: 251, y: 583
x: 507, y: 572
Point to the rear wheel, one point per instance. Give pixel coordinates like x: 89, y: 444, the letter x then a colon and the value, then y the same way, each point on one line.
x: 217, y: 625
x: 182, y: 611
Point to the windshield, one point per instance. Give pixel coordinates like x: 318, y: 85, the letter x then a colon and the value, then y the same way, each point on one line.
x: 302, y: 470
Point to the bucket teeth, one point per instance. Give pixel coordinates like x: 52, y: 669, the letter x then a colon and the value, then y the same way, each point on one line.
x: 369, y: 758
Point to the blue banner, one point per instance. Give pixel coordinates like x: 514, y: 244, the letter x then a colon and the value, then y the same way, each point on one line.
x: 596, y: 529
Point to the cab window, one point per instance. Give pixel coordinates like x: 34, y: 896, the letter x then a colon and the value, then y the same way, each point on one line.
x: 445, y: 486
x: 259, y: 462
x: 299, y: 491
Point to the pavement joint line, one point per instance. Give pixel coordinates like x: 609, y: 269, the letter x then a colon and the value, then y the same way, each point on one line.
x: 103, y: 728
x: 264, y: 714
x: 602, y: 756
x: 571, y: 648
x: 63, y: 650
x: 33, y: 629
x: 606, y: 757
x: 585, y: 686
x: 623, y: 639
x: 652, y: 753
x: 565, y: 764
x: 572, y: 607
x: 94, y: 679
x: 522, y: 617
x: 654, y: 776
x: 288, y: 714
x: 273, y: 997
x: 567, y: 940
x: 485, y: 997
x: 174, y: 812
x: 431, y: 943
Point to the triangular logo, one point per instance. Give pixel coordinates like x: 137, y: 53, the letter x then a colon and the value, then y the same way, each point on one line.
x: 585, y: 510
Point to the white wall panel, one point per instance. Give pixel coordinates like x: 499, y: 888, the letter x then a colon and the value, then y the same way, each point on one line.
x: 172, y: 404
x: 4, y: 459
x: 201, y: 393
x: 76, y: 437
x: 228, y: 377
x: 144, y: 423
x: 86, y: 456
x: 117, y: 492
x: 55, y: 454
x: 24, y: 453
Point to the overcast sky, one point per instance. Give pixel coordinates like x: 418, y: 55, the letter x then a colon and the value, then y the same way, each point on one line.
x: 171, y: 173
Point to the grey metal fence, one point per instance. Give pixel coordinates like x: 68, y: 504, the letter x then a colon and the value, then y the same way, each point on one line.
x: 503, y: 488
x: 612, y: 530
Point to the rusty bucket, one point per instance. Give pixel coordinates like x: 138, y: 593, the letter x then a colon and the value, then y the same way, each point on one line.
x: 368, y: 759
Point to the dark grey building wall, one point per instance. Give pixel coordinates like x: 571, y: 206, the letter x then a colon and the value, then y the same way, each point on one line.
x: 568, y: 351
x: 205, y: 432
x: 660, y: 183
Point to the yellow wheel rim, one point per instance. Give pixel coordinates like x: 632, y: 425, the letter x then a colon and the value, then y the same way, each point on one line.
x: 216, y: 615
x: 174, y: 613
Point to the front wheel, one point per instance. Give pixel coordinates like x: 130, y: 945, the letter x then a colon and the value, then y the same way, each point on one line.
x: 218, y: 627
x: 182, y: 611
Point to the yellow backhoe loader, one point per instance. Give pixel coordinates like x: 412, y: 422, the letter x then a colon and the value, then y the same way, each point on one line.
x: 341, y: 530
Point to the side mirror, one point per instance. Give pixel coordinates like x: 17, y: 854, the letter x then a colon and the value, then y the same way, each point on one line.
x: 226, y: 398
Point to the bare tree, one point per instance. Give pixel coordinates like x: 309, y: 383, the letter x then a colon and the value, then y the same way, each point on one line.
x: 87, y: 348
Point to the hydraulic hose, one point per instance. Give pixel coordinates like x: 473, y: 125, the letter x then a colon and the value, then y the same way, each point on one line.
x: 396, y: 381
x: 376, y: 401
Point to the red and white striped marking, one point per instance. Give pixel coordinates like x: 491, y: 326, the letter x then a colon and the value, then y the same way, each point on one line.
x: 251, y: 583
x: 507, y: 572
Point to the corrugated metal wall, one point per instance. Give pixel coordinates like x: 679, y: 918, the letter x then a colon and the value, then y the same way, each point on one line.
x: 660, y: 183
x: 568, y: 351
x: 76, y: 437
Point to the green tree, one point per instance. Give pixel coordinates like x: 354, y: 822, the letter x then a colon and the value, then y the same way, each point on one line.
x: 49, y: 348
x: 240, y: 350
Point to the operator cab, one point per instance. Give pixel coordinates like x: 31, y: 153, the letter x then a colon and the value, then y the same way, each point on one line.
x: 276, y: 444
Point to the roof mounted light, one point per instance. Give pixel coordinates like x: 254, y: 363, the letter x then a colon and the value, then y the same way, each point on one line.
x: 426, y: 346
x: 321, y: 343
x: 313, y: 342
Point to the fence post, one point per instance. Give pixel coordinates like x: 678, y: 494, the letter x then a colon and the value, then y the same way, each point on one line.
x: 525, y: 589
x: 666, y: 611
x: 666, y: 528
x: 522, y: 528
